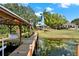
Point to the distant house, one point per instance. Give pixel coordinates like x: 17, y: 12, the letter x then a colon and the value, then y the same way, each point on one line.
x: 41, y: 27
x: 70, y: 25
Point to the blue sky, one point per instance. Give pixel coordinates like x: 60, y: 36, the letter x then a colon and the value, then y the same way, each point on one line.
x: 70, y: 11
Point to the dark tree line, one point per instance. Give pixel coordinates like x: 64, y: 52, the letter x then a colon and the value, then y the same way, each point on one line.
x: 75, y: 21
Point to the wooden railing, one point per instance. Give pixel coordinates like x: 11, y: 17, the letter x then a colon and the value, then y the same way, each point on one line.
x: 33, y: 44
x: 4, y: 39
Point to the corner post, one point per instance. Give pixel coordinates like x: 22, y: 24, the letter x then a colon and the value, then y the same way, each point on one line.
x: 77, y: 49
x: 20, y: 33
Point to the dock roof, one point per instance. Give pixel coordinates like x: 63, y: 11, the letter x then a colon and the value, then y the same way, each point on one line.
x: 9, y: 18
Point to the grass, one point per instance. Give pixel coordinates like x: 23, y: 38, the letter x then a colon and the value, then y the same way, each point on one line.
x: 59, y: 34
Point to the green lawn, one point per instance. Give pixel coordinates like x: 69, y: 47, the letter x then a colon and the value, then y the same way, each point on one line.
x: 59, y: 34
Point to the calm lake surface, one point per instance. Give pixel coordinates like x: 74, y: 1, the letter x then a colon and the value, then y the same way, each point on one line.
x: 56, y: 47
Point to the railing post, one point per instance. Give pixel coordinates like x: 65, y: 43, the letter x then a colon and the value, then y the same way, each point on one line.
x: 34, y: 46
x: 20, y: 33
x: 2, y: 47
x: 30, y: 50
x: 77, y: 49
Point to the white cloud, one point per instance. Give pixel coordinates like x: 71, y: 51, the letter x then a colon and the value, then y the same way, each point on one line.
x: 65, y: 5
x: 38, y: 14
x: 52, y: 12
x: 48, y: 9
x: 68, y: 4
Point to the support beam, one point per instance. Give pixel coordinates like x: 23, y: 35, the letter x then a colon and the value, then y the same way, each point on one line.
x: 77, y: 50
x: 20, y: 33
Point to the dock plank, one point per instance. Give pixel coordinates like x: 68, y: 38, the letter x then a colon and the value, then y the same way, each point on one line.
x: 22, y: 50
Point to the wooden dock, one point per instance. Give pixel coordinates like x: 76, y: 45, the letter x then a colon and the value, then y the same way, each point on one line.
x: 23, y: 49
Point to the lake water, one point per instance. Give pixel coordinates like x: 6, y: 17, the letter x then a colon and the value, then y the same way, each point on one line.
x: 55, y: 47
x: 8, y: 50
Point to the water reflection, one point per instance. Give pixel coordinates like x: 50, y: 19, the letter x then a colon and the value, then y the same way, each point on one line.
x: 57, y: 47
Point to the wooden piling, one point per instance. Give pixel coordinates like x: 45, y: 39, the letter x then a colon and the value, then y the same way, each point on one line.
x: 77, y: 50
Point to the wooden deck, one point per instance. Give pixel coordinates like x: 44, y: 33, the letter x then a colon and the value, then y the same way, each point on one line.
x: 23, y: 50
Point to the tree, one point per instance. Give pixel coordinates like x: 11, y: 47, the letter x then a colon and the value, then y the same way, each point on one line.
x: 54, y: 20
x: 75, y: 21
